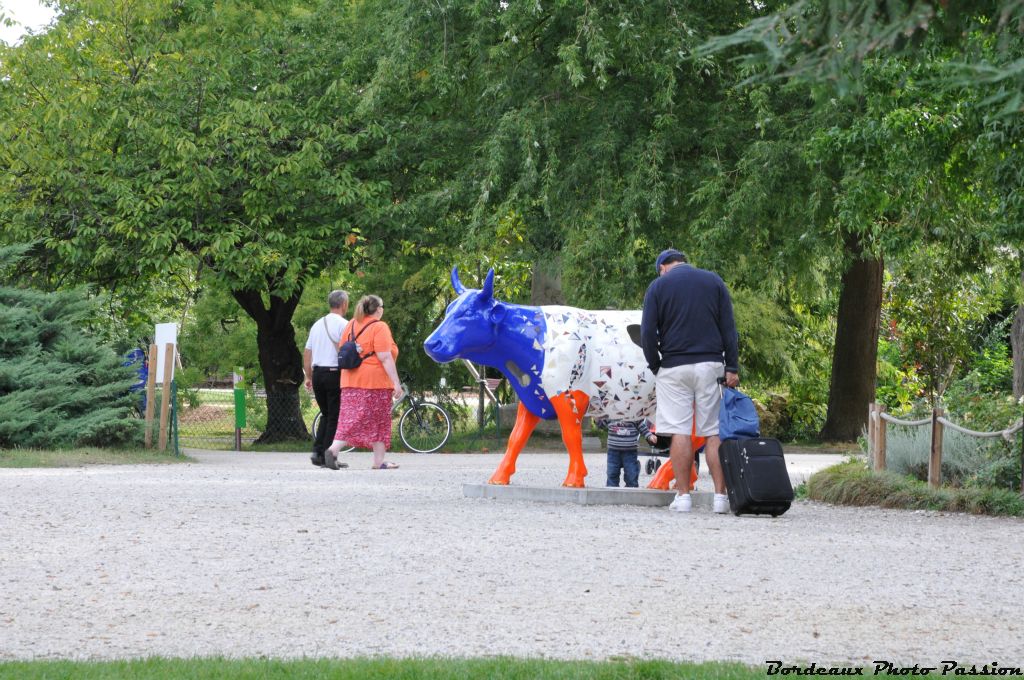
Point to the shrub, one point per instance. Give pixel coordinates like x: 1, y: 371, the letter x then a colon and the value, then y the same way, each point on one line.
x: 59, y: 387
x: 966, y: 460
x: 773, y: 412
x: 852, y: 483
x: 784, y: 415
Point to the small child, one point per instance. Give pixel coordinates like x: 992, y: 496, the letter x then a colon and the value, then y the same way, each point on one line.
x: 623, y: 436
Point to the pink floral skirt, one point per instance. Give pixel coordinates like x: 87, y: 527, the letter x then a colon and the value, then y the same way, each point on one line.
x: 364, y: 417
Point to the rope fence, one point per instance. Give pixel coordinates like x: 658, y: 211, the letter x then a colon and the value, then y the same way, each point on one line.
x: 878, y: 420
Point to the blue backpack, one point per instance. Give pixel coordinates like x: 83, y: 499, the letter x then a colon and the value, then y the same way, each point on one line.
x: 737, y: 419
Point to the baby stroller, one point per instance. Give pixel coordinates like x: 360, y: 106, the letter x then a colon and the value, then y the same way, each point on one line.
x: 660, y: 450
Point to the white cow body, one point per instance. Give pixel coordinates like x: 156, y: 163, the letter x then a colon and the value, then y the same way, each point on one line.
x: 591, y: 351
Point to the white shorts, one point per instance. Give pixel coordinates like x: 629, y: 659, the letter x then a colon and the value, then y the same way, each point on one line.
x: 679, y: 389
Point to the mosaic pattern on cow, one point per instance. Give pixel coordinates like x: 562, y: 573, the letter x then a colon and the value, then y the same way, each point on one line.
x: 592, y: 352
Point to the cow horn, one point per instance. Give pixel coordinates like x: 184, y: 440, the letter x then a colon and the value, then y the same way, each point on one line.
x: 456, y: 284
x: 488, y: 290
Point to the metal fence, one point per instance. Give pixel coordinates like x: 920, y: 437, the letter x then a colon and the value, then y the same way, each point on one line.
x: 227, y: 419
x: 222, y: 418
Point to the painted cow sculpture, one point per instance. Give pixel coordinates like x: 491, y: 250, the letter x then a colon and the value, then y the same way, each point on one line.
x: 563, y: 362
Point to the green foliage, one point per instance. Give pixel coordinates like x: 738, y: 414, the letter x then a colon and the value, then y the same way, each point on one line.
x: 852, y: 483
x: 59, y: 387
x: 201, y: 135
x: 497, y: 668
x: 967, y: 461
x: 991, y: 367
x: 991, y: 371
x: 578, y: 122
x: 828, y: 41
x: 933, y: 313
x: 791, y: 402
x: 253, y: 149
x: 166, y: 139
x: 899, y: 385
x: 766, y: 349
x: 808, y: 390
x: 217, y: 339
x: 979, y: 400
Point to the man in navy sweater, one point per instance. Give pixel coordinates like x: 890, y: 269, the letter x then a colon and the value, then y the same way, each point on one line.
x: 688, y: 335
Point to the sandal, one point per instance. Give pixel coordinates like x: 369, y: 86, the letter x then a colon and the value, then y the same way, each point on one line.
x: 386, y: 466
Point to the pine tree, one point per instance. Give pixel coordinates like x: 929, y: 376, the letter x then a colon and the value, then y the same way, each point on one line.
x: 59, y: 387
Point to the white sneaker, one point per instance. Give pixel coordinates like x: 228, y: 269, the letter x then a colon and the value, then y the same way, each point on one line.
x: 721, y: 503
x: 682, y: 503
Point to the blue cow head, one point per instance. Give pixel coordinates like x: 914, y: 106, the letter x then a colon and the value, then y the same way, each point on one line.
x: 470, y: 323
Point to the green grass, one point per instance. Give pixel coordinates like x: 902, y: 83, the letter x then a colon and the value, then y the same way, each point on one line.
x: 814, y: 445
x: 359, y: 669
x: 30, y: 458
x: 852, y: 483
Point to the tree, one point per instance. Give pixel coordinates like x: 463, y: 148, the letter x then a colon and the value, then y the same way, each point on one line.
x: 147, y: 138
x: 830, y: 41
x: 1017, y: 342
x: 59, y: 386
x: 585, y: 121
x: 934, y: 310
x: 969, y: 49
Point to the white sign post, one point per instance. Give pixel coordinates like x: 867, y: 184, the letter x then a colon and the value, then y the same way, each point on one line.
x: 166, y: 334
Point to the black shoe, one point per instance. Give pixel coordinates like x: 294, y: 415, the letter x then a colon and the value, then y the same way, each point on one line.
x: 317, y: 460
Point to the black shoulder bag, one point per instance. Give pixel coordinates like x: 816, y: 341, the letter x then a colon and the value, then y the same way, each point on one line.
x: 350, y: 353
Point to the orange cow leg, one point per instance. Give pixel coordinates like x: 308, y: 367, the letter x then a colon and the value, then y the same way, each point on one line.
x: 662, y: 479
x: 525, y: 422
x: 570, y: 407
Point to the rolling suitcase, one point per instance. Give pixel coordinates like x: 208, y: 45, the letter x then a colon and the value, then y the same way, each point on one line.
x: 756, y: 476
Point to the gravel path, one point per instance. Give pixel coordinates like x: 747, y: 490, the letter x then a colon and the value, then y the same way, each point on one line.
x: 263, y: 554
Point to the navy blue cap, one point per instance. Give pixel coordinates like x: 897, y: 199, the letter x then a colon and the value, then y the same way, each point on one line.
x: 666, y: 254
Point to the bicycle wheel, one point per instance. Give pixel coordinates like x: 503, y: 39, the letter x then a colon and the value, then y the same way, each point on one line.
x: 425, y: 427
x: 315, y: 428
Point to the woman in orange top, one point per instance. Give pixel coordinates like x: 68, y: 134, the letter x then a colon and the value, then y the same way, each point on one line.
x: 364, y: 419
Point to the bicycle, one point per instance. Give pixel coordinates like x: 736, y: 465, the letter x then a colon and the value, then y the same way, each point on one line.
x: 423, y: 427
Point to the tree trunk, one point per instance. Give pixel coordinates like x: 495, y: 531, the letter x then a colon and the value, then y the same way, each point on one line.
x: 854, y: 360
x: 280, y: 361
x: 1017, y: 343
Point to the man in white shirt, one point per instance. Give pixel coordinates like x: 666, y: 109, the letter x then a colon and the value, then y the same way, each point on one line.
x: 320, y: 364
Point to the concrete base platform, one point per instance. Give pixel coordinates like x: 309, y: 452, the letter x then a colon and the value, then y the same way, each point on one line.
x: 597, y: 495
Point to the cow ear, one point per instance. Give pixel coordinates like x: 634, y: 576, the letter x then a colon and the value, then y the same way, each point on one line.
x: 497, y: 312
x: 488, y: 290
x: 456, y: 284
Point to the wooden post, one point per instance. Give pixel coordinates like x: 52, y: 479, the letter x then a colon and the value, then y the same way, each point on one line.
x: 165, y: 402
x: 150, y: 394
x: 880, y: 439
x: 935, y: 462
x: 872, y: 448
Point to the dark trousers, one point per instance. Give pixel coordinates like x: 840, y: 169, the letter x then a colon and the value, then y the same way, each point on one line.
x: 625, y: 460
x: 327, y: 390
